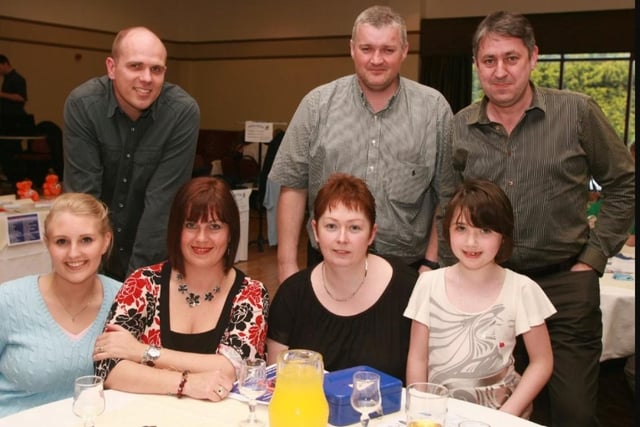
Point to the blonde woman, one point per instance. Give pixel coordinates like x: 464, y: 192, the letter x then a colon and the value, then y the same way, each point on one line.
x: 49, y: 323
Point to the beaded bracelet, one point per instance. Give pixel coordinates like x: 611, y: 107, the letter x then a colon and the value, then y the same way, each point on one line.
x: 183, y: 381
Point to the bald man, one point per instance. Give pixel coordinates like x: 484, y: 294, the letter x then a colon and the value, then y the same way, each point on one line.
x: 130, y: 140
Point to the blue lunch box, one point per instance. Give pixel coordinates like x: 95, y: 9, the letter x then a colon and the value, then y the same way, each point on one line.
x: 337, y: 389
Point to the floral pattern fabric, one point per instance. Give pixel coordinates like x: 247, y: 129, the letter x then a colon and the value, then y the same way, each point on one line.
x: 137, y: 308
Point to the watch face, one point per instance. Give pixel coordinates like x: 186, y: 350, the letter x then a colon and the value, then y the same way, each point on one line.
x: 150, y: 355
x: 153, y: 353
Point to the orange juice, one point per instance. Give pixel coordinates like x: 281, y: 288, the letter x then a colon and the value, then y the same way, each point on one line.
x: 298, y: 399
x: 423, y: 423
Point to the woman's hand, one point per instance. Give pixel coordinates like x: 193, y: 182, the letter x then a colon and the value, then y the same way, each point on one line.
x: 210, y: 385
x: 118, y: 343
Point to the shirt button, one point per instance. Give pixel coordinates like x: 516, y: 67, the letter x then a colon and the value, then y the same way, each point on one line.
x: 373, y: 141
x: 120, y: 205
x: 133, y: 129
x: 128, y: 155
x: 121, y: 249
x: 371, y: 168
x: 124, y: 180
x: 510, y: 183
x: 119, y: 230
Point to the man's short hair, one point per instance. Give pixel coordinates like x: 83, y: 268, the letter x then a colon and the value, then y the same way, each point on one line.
x: 381, y: 16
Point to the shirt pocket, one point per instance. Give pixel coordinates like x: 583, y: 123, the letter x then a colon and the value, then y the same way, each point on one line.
x: 405, y: 182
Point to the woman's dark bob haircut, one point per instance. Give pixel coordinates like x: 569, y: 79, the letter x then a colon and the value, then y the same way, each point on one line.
x: 199, y: 200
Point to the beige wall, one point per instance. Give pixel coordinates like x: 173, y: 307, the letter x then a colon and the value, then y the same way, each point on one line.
x: 237, y: 71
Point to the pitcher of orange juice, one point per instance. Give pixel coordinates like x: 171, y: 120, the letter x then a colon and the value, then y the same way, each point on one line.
x: 298, y: 398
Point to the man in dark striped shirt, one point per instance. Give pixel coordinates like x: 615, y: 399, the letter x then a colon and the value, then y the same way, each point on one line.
x: 541, y: 146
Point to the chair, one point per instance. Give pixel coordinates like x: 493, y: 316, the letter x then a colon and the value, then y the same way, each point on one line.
x: 41, y: 155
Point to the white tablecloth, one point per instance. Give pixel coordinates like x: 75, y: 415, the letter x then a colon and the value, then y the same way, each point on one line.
x: 617, y: 302
x: 21, y: 260
x: 136, y: 410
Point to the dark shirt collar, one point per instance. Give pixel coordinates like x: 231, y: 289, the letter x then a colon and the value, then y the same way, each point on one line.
x: 112, y: 104
x: 479, y: 115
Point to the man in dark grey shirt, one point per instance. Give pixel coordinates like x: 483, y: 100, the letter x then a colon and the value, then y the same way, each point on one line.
x: 130, y: 140
x: 541, y: 146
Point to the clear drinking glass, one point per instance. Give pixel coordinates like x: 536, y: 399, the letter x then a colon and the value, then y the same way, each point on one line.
x: 252, y: 384
x: 426, y: 405
x: 365, y: 395
x: 88, y: 398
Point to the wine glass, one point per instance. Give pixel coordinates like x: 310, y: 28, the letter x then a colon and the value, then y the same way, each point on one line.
x: 252, y: 384
x: 88, y: 398
x: 365, y: 396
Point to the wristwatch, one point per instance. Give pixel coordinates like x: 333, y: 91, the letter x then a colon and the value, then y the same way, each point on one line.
x: 150, y: 355
x: 431, y: 264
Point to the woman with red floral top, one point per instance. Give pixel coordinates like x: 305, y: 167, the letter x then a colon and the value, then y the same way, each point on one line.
x: 184, y: 326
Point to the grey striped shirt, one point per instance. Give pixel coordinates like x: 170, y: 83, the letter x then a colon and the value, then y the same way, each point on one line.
x: 544, y: 166
x: 395, y: 151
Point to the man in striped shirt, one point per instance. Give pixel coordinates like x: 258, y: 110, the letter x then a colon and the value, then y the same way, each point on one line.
x: 541, y: 146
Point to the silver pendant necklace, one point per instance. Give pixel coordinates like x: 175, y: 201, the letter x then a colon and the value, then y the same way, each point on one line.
x: 326, y: 288
x: 192, y: 298
x: 79, y: 312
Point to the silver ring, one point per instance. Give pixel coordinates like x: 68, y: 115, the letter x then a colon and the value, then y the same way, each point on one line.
x: 221, y: 391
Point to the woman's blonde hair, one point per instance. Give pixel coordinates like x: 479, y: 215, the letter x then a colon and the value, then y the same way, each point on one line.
x: 81, y: 204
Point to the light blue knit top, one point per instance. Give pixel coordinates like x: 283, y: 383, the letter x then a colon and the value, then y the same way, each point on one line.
x: 39, y: 361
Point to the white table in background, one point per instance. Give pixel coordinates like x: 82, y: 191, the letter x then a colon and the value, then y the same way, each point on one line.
x: 136, y: 410
x: 618, y: 306
x: 241, y: 196
x: 24, y: 259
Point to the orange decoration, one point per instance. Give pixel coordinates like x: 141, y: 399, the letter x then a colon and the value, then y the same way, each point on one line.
x: 25, y: 191
x: 51, y: 187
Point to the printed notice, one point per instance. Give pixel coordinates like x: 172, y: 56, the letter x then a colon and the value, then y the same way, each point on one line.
x: 258, y: 131
x: 23, y: 228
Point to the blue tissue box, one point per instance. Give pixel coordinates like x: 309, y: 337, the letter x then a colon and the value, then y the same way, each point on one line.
x: 337, y: 389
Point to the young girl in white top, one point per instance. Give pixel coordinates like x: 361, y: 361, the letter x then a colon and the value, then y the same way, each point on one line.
x: 465, y: 318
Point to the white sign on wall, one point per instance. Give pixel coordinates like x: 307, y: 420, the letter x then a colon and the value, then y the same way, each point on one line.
x: 258, y: 131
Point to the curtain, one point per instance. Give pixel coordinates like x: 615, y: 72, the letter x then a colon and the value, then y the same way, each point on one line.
x: 451, y: 75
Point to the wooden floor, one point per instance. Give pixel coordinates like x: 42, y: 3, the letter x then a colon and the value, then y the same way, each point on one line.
x: 615, y: 399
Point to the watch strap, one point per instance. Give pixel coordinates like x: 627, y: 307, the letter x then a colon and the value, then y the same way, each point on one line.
x: 431, y: 264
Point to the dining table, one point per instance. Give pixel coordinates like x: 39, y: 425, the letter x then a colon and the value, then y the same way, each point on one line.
x: 139, y: 410
x: 618, y: 305
x: 17, y: 260
x: 22, y: 139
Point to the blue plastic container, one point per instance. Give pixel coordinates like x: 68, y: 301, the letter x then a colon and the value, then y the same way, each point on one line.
x: 337, y: 389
